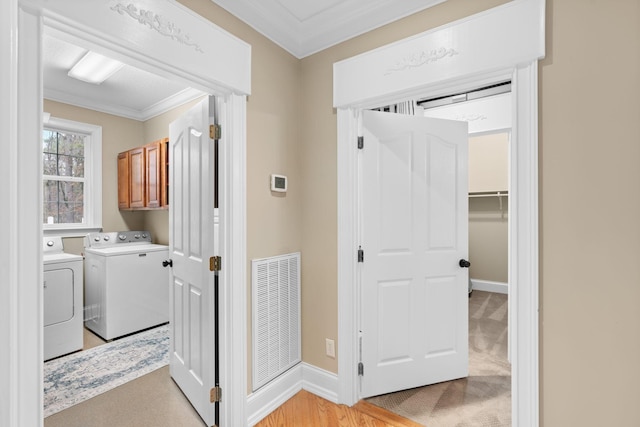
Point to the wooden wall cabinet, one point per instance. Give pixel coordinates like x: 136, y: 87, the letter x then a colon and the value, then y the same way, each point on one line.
x: 142, y: 177
x: 123, y: 181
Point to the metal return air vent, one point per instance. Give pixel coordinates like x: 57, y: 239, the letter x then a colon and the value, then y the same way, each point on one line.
x: 276, y: 316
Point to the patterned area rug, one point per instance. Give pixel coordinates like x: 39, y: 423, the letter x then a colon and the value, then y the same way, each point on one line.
x: 77, y: 377
x: 481, y: 400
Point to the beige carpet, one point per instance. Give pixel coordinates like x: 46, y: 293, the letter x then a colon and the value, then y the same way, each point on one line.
x: 481, y: 400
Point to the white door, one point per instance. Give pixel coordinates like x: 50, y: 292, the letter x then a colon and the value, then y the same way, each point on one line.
x: 414, y: 293
x: 191, y: 244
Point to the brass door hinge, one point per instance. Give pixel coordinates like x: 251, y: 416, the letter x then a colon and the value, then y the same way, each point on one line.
x: 215, y: 394
x: 215, y: 263
x: 215, y: 131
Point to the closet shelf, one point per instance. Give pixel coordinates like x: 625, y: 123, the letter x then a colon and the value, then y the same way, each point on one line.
x: 498, y: 194
x: 489, y: 194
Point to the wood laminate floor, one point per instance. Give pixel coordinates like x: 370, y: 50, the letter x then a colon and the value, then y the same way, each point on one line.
x: 308, y: 410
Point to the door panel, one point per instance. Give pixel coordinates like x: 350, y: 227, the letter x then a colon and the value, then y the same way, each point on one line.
x: 414, y: 219
x: 124, y: 183
x: 137, y: 177
x: 191, y: 243
x: 154, y: 165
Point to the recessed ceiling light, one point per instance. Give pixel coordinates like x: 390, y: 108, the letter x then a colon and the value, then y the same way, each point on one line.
x: 94, y: 68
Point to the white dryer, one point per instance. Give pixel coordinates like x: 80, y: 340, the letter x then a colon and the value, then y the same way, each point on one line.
x: 62, y: 303
x: 126, y: 285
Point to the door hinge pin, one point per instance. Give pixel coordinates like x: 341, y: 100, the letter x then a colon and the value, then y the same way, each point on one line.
x: 360, y: 254
x: 215, y: 263
x: 216, y: 394
x: 360, y: 369
x: 215, y: 131
x: 360, y: 142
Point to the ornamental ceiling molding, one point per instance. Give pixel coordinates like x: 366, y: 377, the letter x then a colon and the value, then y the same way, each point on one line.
x: 471, y: 117
x: 158, y: 23
x: 419, y: 59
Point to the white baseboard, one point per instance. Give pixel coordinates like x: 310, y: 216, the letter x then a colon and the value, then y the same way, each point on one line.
x: 488, y: 286
x: 268, y: 398
x: 320, y: 382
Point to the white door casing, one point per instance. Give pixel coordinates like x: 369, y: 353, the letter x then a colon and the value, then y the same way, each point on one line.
x: 414, y: 293
x: 191, y: 244
x: 497, y: 45
x: 222, y: 72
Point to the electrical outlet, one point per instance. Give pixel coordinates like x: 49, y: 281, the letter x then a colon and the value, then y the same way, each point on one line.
x: 330, y: 347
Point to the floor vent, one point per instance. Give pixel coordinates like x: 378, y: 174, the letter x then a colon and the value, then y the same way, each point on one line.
x: 276, y: 316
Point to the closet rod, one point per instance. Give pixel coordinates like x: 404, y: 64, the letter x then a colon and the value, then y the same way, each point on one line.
x: 494, y: 194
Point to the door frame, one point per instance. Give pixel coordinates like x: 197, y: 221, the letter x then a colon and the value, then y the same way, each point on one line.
x: 474, y: 52
x: 21, y: 118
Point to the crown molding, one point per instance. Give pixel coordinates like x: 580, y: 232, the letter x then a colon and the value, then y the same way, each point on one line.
x: 145, y: 114
x: 303, y: 34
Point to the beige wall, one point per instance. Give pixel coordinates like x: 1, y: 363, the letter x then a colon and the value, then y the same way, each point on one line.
x: 489, y: 239
x: 489, y: 162
x: 488, y: 217
x: 590, y: 205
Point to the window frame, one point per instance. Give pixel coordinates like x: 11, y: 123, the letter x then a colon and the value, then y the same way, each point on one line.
x: 92, y: 178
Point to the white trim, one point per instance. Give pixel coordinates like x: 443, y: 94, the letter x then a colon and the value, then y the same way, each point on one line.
x: 18, y: 353
x: 320, y: 382
x: 348, y: 309
x: 496, y: 39
x: 303, y: 376
x: 489, y: 286
x: 210, y: 58
x: 362, y: 82
x: 269, y: 397
x: 93, y: 176
x: 523, y: 249
x: 176, y: 100
x: 233, y: 249
x: 21, y: 330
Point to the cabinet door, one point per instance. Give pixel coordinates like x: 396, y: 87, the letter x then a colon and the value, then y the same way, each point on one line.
x: 154, y: 170
x: 124, y: 184
x: 137, y: 177
x: 164, y: 172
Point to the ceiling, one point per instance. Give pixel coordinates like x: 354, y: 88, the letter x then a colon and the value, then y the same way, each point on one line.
x: 302, y: 27
x: 130, y: 93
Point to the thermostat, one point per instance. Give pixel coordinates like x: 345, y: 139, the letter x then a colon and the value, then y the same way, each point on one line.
x: 279, y: 183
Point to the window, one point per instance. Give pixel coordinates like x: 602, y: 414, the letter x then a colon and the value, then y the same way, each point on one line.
x: 71, y: 177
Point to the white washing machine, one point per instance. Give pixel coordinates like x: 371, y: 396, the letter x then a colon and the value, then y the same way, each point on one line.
x: 126, y: 285
x: 62, y: 301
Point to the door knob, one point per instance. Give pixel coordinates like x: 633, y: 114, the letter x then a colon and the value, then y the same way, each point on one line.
x: 464, y: 263
x: 168, y: 262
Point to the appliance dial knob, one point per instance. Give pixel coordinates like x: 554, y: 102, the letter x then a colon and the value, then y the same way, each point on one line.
x: 137, y: 236
x: 122, y: 237
x: 106, y: 238
x: 144, y: 235
x: 96, y: 239
x: 50, y: 243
